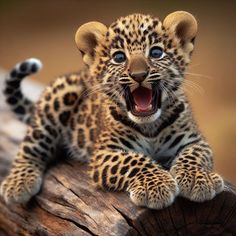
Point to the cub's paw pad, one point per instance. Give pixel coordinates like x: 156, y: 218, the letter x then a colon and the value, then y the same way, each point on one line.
x: 153, y: 190
x: 20, y: 190
x: 199, y: 186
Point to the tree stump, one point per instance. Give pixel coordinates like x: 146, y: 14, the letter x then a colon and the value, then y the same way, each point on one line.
x: 70, y: 205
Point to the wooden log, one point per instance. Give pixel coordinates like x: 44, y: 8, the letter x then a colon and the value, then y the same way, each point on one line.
x: 69, y: 204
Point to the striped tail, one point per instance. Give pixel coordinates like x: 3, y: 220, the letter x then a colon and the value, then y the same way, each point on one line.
x: 19, y: 104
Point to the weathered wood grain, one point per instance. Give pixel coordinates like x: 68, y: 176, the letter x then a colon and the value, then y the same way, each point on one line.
x: 69, y: 204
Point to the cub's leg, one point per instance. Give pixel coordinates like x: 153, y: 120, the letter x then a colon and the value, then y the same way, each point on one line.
x: 147, y: 183
x: 26, y: 175
x: 48, y: 125
x: 192, y: 170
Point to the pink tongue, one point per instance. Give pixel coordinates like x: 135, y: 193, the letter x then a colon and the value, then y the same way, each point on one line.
x: 142, y: 98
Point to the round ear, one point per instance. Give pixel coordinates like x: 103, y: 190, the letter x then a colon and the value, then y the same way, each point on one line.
x: 183, y: 24
x: 87, y: 38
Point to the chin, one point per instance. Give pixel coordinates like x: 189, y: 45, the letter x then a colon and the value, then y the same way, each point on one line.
x: 144, y: 119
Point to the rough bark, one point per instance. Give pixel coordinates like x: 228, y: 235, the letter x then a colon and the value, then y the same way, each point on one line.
x: 69, y: 204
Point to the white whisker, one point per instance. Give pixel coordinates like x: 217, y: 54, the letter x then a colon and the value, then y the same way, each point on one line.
x: 196, y: 87
x: 198, y: 75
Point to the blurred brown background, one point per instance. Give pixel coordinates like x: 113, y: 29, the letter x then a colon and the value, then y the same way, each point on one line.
x: 45, y: 29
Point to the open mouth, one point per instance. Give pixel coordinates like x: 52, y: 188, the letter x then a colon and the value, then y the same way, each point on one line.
x: 143, y: 101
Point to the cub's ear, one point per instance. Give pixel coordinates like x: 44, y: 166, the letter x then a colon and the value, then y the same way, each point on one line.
x: 87, y: 38
x: 182, y: 24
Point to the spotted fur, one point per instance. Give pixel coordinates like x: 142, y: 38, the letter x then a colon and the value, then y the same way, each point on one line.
x: 154, y: 158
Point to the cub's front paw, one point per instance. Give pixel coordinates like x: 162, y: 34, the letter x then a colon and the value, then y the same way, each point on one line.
x: 155, y: 189
x: 20, y: 188
x: 198, y: 185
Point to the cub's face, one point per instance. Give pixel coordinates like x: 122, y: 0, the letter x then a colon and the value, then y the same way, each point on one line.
x: 138, y: 61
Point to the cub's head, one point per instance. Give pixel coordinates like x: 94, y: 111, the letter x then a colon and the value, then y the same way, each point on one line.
x: 138, y: 61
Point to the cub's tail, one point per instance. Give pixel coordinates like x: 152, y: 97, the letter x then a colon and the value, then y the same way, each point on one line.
x: 19, y: 104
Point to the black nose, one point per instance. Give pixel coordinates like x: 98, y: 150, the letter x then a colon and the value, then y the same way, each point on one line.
x: 139, y: 76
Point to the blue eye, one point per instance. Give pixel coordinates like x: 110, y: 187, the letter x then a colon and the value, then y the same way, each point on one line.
x: 156, y: 52
x: 119, y: 57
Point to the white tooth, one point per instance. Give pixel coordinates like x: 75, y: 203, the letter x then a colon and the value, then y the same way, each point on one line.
x: 148, y: 109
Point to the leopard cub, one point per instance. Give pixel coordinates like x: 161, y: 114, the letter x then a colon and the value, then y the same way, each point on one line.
x: 126, y: 114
